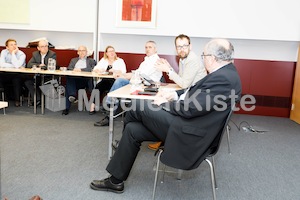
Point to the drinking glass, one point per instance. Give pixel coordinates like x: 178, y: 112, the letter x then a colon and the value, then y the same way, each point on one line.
x: 51, y: 64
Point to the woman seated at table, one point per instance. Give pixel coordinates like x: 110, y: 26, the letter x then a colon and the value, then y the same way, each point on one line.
x: 110, y: 63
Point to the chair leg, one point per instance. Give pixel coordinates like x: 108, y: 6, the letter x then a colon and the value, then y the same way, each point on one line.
x: 21, y: 100
x: 212, y: 178
x: 28, y: 99
x: 156, y: 174
x: 228, y: 139
x: 3, y: 100
x: 163, y: 175
x: 179, y: 173
x: 214, y: 169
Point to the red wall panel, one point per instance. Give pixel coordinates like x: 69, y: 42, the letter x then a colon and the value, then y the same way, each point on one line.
x: 270, y: 82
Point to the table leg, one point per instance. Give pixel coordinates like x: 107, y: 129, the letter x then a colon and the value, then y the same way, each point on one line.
x: 34, y: 94
x: 111, y: 129
x: 42, y: 96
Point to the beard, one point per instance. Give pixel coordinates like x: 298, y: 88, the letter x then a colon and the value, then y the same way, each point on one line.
x: 183, y: 55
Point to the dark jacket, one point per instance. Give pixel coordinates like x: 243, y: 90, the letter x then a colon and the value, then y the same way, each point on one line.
x: 193, y: 129
x: 36, y: 58
x: 90, y: 64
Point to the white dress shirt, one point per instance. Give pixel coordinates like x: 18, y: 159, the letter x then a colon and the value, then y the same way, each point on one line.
x: 147, y: 68
x: 118, y: 64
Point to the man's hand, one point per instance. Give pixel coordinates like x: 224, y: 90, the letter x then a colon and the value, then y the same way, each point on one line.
x: 162, y: 65
x: 163, y: 97
x: 169, y: 95
x: 15, y: 51
x: 159, y: 100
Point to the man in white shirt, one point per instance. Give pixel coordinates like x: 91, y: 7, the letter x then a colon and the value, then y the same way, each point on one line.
x: 12, y: 57
x: 146, y: 67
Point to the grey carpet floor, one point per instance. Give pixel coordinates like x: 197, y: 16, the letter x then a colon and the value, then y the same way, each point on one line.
x: 57, y: 157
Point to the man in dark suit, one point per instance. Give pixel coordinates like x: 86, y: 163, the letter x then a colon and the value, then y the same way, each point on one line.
x: 39, y: 59
x: 81, y: 63
x: 188, y: 119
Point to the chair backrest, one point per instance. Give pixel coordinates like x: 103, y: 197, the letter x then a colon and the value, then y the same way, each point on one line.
x: 214, y: 147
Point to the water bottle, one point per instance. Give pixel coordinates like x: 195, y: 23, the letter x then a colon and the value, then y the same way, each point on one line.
x: 135, y: 81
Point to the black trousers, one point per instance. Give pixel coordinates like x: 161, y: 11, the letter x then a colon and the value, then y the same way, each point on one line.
x: 16, y: 80
x: 140, y: 125
x: 105, y: 85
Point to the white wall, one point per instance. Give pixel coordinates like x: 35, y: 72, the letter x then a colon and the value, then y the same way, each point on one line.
x: 57, y: 38
x: 59, y: 15
x: 263, y: 30
x: 255, y: 19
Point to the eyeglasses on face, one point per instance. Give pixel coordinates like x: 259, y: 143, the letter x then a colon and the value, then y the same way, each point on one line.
x: 204, y: 55
x: 43, y: 46
x: 185, y: 46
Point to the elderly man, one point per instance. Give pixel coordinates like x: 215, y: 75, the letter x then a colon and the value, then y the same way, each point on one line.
x: 80, y: 63
x: 194, y: 116
x: 39, y: 59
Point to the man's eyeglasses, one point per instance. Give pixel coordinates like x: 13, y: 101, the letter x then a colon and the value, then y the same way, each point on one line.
x: 43, y: 46
x: 203, y: 55
x: 182, y: 47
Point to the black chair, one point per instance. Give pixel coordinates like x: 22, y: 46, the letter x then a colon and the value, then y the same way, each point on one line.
x: 210, y: 152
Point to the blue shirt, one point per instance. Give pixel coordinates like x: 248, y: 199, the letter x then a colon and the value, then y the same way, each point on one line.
x: 12, y: 60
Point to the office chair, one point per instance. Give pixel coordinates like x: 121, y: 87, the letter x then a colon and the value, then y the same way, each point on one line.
x: 210, y: 152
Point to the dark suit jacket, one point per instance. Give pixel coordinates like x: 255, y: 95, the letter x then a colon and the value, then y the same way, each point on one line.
x: 90, y: 64
x: 193, y: 129
x: 36, y: 58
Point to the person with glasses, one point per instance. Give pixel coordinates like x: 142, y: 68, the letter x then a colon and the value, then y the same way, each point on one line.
x: 188, y: 120
x: 39, y: 59
x: 12, y: 57
x: 73, y: 83
x: 190, y: 69
x: 110, y: 63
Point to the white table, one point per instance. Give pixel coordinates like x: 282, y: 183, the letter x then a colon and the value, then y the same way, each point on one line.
x: 56, y: 72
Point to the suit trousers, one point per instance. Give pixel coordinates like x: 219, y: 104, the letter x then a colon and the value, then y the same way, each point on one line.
x: 142, y: 123
x: 74, y: 84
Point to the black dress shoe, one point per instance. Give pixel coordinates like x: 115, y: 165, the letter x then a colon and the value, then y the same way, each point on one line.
x: 115, y: 145
x: 107, y: 185
x: 65, y: 112
x: 103, y: 122
x: 92, y: 112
